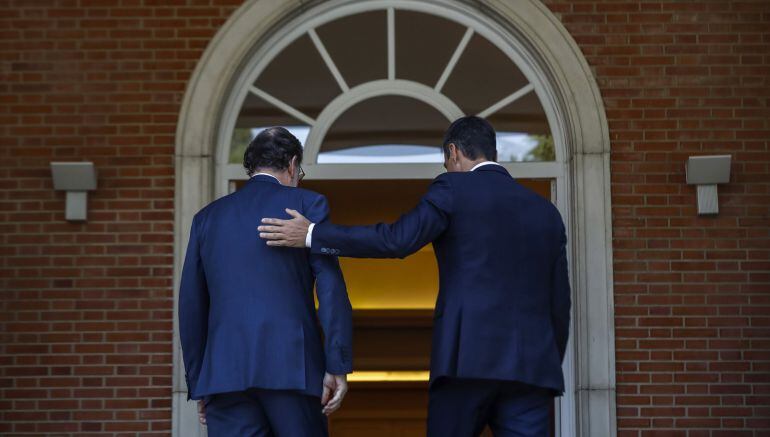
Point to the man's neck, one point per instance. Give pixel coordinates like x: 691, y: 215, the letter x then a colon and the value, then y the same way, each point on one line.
x: 281, y: 176
x: 472, y: 165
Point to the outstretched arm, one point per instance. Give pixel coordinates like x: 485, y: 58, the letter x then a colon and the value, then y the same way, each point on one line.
x: 408, y: 234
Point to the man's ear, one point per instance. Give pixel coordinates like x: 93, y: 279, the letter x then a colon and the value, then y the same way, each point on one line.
x: 452, y: 151
x: 458, y: 154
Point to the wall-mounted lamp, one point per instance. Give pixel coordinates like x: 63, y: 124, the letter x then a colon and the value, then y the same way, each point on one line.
x: 76, y: 178
x: 706, y: 172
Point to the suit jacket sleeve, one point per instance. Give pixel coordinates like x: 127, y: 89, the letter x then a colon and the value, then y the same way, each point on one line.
x: 193, y: 311
x: 334, y: 310
x: 407, y: 235
x: 561, y: 301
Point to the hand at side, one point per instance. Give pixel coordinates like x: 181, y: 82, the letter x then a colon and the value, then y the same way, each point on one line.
x: 335, y: 388
x: 202, y: 412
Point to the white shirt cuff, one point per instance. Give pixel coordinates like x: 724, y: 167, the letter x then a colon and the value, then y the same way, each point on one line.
x: 309, y: 236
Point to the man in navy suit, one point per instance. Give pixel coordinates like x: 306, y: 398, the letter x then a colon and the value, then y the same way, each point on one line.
x: 254, y: 354
x: 502, y: 316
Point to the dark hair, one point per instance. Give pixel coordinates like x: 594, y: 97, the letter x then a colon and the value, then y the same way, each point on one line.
x: 474, y: 136
x: 272, y: 148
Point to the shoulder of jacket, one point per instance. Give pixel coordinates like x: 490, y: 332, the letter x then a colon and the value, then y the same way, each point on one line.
x: 308, y: 196
x: 447, y: 177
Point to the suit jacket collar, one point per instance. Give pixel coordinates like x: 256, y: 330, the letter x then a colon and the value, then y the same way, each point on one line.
x: 493, y: 167
x: 264, y: 178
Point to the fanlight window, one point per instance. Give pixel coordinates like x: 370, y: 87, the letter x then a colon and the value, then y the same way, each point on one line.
x: 382, y: 86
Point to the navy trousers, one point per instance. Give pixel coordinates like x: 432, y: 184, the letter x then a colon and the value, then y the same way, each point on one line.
x: 262, y: 413
x: 463, y: 407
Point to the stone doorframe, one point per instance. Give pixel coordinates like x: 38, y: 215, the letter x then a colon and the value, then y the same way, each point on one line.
x: 583, y: 125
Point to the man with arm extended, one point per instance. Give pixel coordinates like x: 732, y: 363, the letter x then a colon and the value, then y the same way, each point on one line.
x: 253, y: 351
x: 502, y: 315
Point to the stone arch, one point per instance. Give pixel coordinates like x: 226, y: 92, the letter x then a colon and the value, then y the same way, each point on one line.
x: 547, y: 46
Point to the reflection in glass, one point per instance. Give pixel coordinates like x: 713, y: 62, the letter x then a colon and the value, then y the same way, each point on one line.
x: 523, y: 132
x: 511, y: 147
x: 242, y: 136
x: 383, y: 154
x: 523, y: 147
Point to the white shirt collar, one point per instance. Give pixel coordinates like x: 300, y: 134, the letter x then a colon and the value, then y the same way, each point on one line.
x: 266, y: 174
x: 481, y: 164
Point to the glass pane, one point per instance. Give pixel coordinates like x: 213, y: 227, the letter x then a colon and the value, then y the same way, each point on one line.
x: 482, y: 77
x: 522, y: 147
x: 358, y: 44
x: 385, y: 129
x: 242, y: 136
x: 299, y: 77
x: 256, y: 115
x: 523, y: 115
x: 396, y: 129
x: 523, y: 133
x: 424, y: 44
x: 384, y: 154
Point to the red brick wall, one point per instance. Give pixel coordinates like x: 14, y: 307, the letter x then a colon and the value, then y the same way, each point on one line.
x: 86, y: 310
x: 692, y: 295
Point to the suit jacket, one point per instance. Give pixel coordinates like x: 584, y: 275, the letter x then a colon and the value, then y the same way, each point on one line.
x: 503, y: 306
x: 247, y: 316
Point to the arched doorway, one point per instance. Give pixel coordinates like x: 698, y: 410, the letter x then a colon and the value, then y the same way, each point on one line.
x: 533, y: 86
